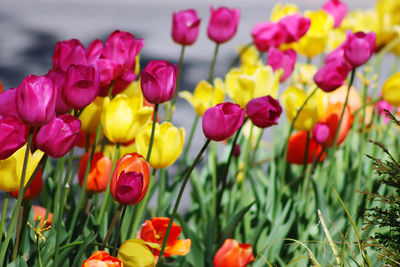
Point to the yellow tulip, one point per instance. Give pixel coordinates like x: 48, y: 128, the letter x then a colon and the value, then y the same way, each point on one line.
x: 247, y: 83
x: 303, y: 75
x: 391, y: 90
x: 250, y: 56
x: 314, y: 41
x: 336, y: 37
x: 135, y: 253
x: 279, y: 11
x: 11, y: 169
x: 293, y: 98
x: 205, y: 95
x: 167, y: 145
x: 137, y: 64
x: 361, y: 20
x: 389, y: 22
x: 90, y: 116
x: 123, y: 117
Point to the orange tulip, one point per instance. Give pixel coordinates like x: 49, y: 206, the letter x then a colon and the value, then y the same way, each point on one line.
x: 154, y: 231
x: 233, y: 254
x: 339, y: 96
x: 34, y: 189
x: 99, y: 173
x: 102, y: 259
x: 39, y: 211
x: 297, y: 149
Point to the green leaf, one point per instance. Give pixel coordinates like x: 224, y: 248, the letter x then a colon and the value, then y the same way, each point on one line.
x: 228, y: 230
x: 78, y: 258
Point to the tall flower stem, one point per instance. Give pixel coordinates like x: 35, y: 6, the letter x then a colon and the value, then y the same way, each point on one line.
x: 178, y: 79
x: 178, y: 200
x: 211, y: 74
x: 153, y: 129
x: 3, y: 214
x: 189, y: 143
x: 112, y: 225
x: 119, y: 230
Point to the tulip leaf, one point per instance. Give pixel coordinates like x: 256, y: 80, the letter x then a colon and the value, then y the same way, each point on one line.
x: 228, y: 230
x: 321, y: 204
x: 79, y: 255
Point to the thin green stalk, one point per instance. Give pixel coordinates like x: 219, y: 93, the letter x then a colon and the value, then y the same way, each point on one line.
x: 161, y: 189
x: 112, y: 225
x: 306, y: 153
x: 119, y: 230
x: 187, y: 147
x: 3, y: 214
x: 38, y: 250
x: 214, y: 178
x: 178, y: 200
x: 153, y: 129
x: 253, y: 156
x: 178, y: 79
x: 211, y: 74
x: 58, y: 174
x: 18, y: 233
x: 246, y: 160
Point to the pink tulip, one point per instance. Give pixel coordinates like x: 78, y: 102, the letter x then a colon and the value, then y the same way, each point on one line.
x: 81, y: 86
x: 58, y: 136
x: 36, y: 100
x: 296, y: 26
x: 359, y: 47
x: 332, y: 75
x: 223, y: 24
x: 282, y: 60
x: 320, y: 133
x: 158, y: 81
x: 57, y: 77
x: 336, y: 9
x: 383, y: 105
x: 222, y: 121
x: 185, y: 27
x: 8, y: 106
x: 94, y: 51
x: 12, y: 135
x: 68, y: 53
x: 268, y: 34
x: 129, y: 187
x: 336, y: 54
x: 264, y: 111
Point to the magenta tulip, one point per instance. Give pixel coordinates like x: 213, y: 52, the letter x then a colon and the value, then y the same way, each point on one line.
x: 223, y: 24
x: 359, y: 47
x: 68, y: 53
x: 222, y: 121
x: 296, y: 26
x: 8, y: 106
x: 12, y: 135
x: 158, y: 81
x: 36, y: 100
x: 332, y: 75
x: 268, y: 34
x: 320, y: 133
x: 58, y: 136
x: 57, y: 77
x: 282, y: 60
x: 336, y: 9
x: 185, y: 27
x: 129, y: 187
x: 94, y: 51
x: 264, y: 111
x: 81, y: 86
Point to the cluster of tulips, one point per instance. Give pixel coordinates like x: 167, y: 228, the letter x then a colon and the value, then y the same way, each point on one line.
x: 97, y: 98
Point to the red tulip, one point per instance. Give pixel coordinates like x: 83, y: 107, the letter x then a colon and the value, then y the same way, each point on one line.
x: 268, y: 34
x: 297, y: 149
x: 233, y: 254
x: 264, y: 111
x: 223, y: 24
x: 332, y: 75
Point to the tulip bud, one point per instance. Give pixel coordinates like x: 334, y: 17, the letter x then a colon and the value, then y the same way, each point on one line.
x: 8, y: 105
x: 36, y: 100
x: 99, y: 172
x: 222, y: 121
x: 57, y: 77
x: 264, y: 111
x: 130, y: 179
x: 268, y: 34
x: 320, y: 133
x: 59, y: 136
x: 12, y: 136
x: 158, y: 81
x: 282, y: 60
x: 295, y: 26
x: 34, y: 189
x: 233, y: 254
x: 68, y: 53
x: 185, y: 27
x: 223, y: 24
x: 332, y: 75
x: 336, y: 9
x: 359, y: 47
x: 81, y: 86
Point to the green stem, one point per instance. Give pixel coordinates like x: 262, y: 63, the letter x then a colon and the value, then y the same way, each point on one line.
x: 187, y: 147
x: 58, y: 173
x: 253, y: 156
x: 3, y: 214
x: 214, y: 178
x: 119, y: 230
x: 153, y: 129
x: 246, y: 160
x: 38, y: 250
x: 178, y: 79
x: 112, y: 225
x: 211, y: 74
x: 178, y: 200
x: 306, y: 153
x: 18, y: 233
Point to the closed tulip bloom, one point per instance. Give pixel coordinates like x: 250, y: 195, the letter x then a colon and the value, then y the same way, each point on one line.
x: 99, y: 172
x: 297, y: 149
x: 336, y: 9
x: 34, y: 189
x: 12, y: 136
x: 36, y: 100
x: 81, y: 86
x: 205, y: 95
x: 223, y: 24
x: 40, y: 212
x: 102, y: 259
x: 134, y: 171
x: 185, y: 27
x: 359, y: 47
x: 268, y: 34
x: 264, y: 111
x: 158, y: 81
x: 11, y: 169
x: 137, y: 253
x: 68, y: 53
x: 154, y: 231
x: 8, y: 105
x: 57, y: 137
x: 295, y: 26
x: 320, y: 133
x: 91, y: 114
x: 167, y: 145
x: 57, y: 77
x: 222, y: 121
x: 390, y: 90
x: 123, y: 117
x: 282, y: 60
x: 233, y: 254
x: 332, y: 75
x: 94, y: 51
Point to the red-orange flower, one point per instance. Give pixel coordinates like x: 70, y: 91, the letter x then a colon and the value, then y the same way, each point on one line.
x: 99, y: 173
x: 39, y: 211
x: 297, y: 149
x: 233, y: 254
x: 34, y: 189
x: 130, y: 179
x: 102, y: 259
x: 154, y: 231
